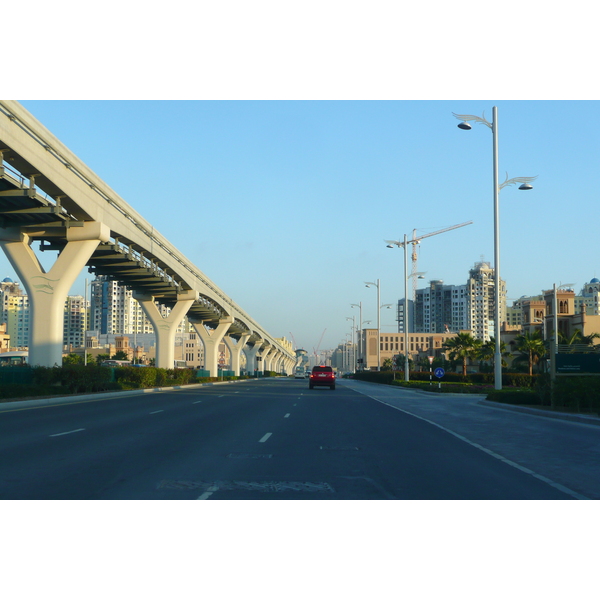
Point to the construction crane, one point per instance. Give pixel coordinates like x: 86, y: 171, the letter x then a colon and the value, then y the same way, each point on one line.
x: 415, y: 240
x: 316, y: 351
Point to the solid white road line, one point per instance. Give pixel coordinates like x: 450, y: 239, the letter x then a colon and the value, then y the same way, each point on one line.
x: 265, y: 437
x: 553, y: 484
x: 66, y: 432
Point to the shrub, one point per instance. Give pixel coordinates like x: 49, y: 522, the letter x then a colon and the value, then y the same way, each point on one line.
x: 508, y: 396
x: 16, y: 391
x: 80, y: 378
x: 581, y: 394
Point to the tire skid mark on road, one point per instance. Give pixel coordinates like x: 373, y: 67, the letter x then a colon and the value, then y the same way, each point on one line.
x: 495, y: 455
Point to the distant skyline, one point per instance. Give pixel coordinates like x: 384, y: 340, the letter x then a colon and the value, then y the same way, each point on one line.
x: 285, y: 205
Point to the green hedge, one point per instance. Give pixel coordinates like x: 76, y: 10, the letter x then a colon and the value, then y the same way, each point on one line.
x: 519, y: 380
x: 15, y: 391
x: 507, y: 396
x: 452, y: 388
x: 579, y: 394
x: 74, y: 379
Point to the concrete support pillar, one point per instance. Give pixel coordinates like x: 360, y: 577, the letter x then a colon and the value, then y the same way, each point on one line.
x: 211, y: 343
x: 266, y: 356
x: 251, y: 352
x: 235, y: 350
x: 166, y: 327
x: 47, y: 292
x: 277, y: 362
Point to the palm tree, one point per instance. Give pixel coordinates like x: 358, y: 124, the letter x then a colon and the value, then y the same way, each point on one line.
x: 487, y: 352
x: 532, y: 347
x: 578, y: 338
x: 462, y: 346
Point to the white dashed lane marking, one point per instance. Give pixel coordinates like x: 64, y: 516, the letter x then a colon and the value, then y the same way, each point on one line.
x: 265, y: 437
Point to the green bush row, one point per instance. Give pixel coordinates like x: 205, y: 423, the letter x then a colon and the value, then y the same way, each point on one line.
x: 507, y: 396
x: 74, y: 379
x: 436, y: 386
x: 520, y: 380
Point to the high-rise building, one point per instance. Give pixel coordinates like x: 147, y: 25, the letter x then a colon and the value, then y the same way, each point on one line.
x: 15, y: 313
x: 116, y: 311
x: 441, y: 308
x: 481, y: 287
x: 409, y: 318
x: 76, y: 323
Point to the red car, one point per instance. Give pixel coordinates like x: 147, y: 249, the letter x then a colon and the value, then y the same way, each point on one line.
x: 322, y: 375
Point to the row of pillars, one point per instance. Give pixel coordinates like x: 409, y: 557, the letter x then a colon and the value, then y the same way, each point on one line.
x: 48, y: 291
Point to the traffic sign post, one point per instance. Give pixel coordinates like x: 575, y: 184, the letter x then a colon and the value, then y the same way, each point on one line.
x: 439, y: 373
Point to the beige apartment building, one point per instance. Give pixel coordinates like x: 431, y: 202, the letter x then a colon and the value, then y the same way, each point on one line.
x: 420, y: 345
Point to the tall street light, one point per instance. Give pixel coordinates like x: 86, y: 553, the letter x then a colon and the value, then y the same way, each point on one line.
x: 369, y: 284
x: 526, y: 185
x: 404, y: 245
x: 353, y: 319
x: 359, y: 331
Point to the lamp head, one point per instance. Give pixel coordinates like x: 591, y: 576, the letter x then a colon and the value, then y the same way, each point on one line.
x: 389, y: 246
x: 526, y: 186
x: 464, y: 125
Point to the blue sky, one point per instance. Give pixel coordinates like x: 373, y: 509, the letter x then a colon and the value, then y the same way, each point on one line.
x: 285, y: 204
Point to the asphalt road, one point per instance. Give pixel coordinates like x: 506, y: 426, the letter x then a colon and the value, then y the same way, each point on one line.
x: 268, y: 439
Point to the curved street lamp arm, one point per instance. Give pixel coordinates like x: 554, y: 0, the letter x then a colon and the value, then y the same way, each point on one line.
x: 514, y: 180
x: 481, y: 120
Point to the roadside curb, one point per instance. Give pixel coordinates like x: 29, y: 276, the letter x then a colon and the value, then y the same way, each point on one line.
x: 6, y: 406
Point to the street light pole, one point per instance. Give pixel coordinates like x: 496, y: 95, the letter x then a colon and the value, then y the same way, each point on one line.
x: 359, y: 333
x: 404, y: 245
x: 497, y: 353
x: 406, y: 363
x: 526, y: 185
x: 353, y: 319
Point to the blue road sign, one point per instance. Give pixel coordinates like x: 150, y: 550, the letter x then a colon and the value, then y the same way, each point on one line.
x: 439, y: 372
